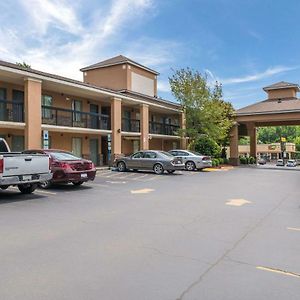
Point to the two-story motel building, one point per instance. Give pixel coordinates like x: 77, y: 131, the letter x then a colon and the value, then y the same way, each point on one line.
x: 114, y: 110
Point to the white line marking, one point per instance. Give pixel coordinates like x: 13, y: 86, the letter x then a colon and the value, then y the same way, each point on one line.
x: 139, y: 177
x: 36, y: 191
x: 237, y: 202
x: 128, y: 175
x: 142, y: 191
x: 293, y: 228
x: 113, y: 182
x: 283, y: 272
x: 113, y: 175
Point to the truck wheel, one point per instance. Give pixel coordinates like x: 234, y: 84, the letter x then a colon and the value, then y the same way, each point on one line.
x: 45, y: 184
x: 27, y: 188
x: 4, y: 187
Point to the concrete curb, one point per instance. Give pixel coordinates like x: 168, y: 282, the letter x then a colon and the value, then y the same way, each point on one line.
x: 271, y: 168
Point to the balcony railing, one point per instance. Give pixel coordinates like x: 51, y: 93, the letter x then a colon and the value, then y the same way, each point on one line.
x: 71, y: 118
x: 11, y: 111
x: 130, y: 125
x: 165, y: 129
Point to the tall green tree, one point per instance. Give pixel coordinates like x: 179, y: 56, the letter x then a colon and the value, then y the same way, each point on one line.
x: 207, y: 114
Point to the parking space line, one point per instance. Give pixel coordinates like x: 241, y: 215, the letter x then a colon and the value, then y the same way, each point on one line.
x: 113, y: 175
x: 293, y: 228
x: 141, y: 176
x: 128, y: 175
x: 142, y: 191
x: 36, y: 191
x: 278, y: 271
x: 104, y: 173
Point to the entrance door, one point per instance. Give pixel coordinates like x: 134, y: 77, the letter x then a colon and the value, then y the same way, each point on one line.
x: 18, y: 105
x: 94, y: 119
x: 94, y: 150
x: 104, y: 149
x: 2, y: 105
x: 77, y: 147
x: 17, y: 143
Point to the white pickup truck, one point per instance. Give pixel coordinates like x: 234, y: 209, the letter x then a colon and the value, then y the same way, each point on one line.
x: 22, y: 170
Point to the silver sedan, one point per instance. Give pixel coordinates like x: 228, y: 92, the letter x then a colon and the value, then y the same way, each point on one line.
x: 158, y: 161
x: 192, y: 160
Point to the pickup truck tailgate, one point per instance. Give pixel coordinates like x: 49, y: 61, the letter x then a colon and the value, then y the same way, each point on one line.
x: 23, y: 164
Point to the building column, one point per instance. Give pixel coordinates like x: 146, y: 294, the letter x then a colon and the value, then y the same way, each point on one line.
x: 33, y: 113
x: 183, y: 140
x: 116, y: 127
x: 234, y: 146
x: 253, y: 140
x: 144, y: 126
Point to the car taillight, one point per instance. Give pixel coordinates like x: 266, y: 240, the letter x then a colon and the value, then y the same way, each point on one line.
x: 1, y: 165
x: 206, y: 158
x: 59, y: 164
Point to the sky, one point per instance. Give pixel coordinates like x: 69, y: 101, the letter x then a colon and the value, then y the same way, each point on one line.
x: 243, y: 44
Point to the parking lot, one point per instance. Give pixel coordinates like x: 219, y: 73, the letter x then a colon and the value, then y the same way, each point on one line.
x: 223, y: 234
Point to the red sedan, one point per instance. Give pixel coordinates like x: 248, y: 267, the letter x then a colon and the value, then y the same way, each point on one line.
x: 66, y: 167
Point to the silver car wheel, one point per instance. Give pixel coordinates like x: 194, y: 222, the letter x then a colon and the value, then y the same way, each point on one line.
x: 190, y: 166
x: 121, y: 166
x: 158, y: 169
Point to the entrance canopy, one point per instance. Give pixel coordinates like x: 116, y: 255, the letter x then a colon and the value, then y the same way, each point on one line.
x: 282, y: 107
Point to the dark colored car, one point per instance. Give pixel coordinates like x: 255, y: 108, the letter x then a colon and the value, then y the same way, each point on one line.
x: 66, y: 167
x: 157, y: 161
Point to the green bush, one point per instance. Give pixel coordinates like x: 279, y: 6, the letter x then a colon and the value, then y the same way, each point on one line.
x: 221, y: 161
x: 207, y: 146
x: 252, y: 160
x: 243, y: 160
x: 215, y: 162
x: 226, y: 161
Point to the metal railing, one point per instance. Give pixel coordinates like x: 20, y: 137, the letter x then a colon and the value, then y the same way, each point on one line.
x: 130, y: 125
x: 71, y: 118
x: 165, y: 129
x: 11, y: 111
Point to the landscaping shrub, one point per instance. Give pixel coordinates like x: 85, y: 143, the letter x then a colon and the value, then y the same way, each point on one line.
x: 252, y: 160
x: 225, y: 161
x: 207, y: 146
x: 243, y: 160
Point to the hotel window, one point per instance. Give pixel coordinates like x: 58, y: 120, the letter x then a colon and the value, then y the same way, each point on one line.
x: 77, y: 106
x: 46, y: 111
x: 77, y: 146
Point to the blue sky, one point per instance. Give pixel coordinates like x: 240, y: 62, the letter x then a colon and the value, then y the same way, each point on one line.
x: 244, y: 44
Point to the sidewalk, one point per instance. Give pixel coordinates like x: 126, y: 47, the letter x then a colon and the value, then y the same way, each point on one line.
x: 271, y: 167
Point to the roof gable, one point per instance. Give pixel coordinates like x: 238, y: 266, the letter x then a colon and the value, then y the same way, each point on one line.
x: 117, y: 60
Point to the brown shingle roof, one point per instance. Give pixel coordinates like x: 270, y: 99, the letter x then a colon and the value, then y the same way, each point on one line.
x: 79, y: 83
x: 117, y: 60
x: 282, y: 85
x: 271, y: 106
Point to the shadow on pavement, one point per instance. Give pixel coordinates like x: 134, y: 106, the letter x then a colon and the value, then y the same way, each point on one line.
x: 9, y: 196
x: 60, y: 188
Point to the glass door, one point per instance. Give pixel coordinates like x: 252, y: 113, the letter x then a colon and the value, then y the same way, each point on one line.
x: 3, y: 108
x: 77, y: 147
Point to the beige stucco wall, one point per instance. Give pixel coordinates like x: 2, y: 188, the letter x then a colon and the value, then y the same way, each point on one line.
x: 282, y: 93
x: 113, y: 77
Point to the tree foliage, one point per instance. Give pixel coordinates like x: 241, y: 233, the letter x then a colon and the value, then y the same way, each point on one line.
x: 206, y: 112
x: 207, y: 146
x: 24, y: 65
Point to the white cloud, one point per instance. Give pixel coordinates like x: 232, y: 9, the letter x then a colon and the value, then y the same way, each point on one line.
x: 44, y: 40
x: 58, y: 13
x: 163, y: 86
x: 258, y: 76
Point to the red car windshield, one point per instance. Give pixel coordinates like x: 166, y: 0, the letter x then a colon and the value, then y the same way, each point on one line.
x: 64, y: 156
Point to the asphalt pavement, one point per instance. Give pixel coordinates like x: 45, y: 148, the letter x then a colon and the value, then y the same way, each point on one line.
x: 223, y: 234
